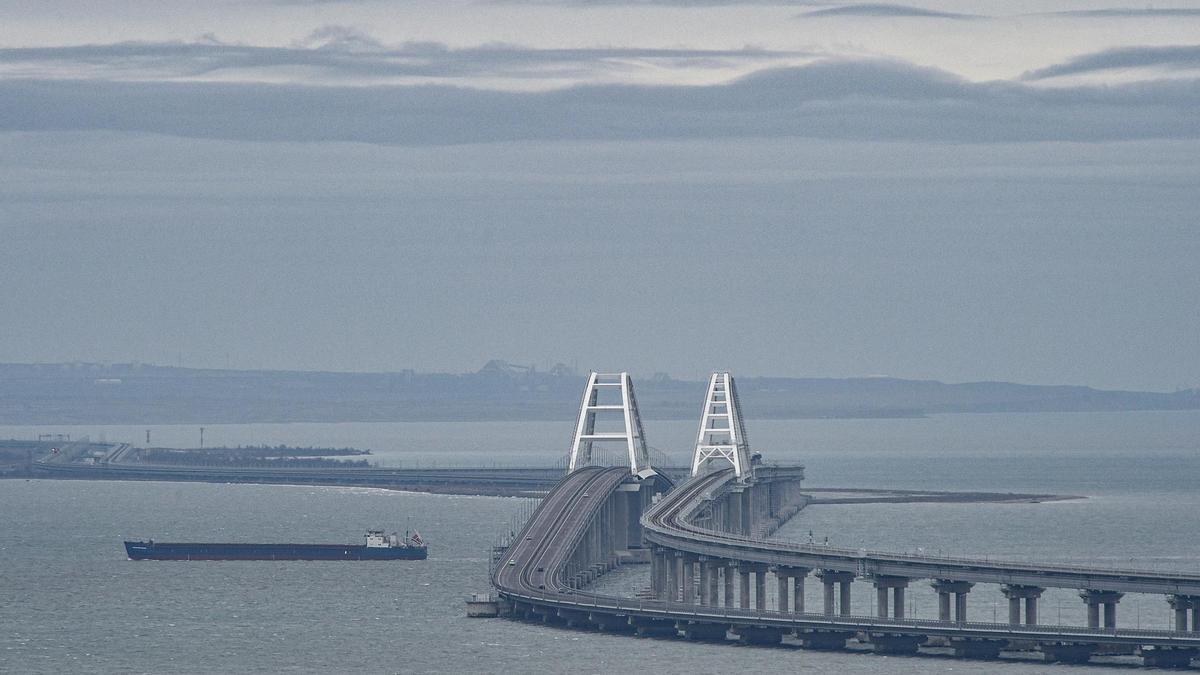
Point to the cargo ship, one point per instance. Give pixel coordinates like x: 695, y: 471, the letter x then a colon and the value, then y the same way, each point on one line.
x: 377, y: 546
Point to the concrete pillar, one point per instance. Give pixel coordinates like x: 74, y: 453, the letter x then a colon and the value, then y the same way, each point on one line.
x: 714, y: 583
x: 1094, y: 600
x: 1015, y: 594
x: 705, y: 570
x: 843, y: 579
x: 620, y: 521
x: 781, y: 580
x: 959, y: 589
x: 894, y: 585
x: 747, y: 526
x: 743, y: 589
x: 1196, y: 616
x: 760, y: 589
x: 689, y: 584
x: 1181, y: 604
x: 798, y: 591
x: 673, y: 563
x: 654, y: 562
x: 735, y: 512
x: 728, y: 572
x: 944, y: 607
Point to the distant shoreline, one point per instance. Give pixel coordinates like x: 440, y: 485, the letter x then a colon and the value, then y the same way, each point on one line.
x: 133, y: 394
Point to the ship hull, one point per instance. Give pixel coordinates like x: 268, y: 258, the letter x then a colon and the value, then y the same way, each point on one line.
x: 140, y: 550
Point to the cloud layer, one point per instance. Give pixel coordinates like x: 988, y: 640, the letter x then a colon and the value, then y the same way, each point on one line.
x: 342, y: 52
x: 1179, y: 57
x: 881, y: 10
x: 870, y: 100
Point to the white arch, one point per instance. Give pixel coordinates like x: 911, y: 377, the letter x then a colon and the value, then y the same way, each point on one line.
x: 722, y: 435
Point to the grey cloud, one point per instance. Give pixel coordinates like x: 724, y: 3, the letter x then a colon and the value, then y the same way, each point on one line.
x: 885, y: 11
x: 1128, y: 12
x: 1179, y: 57
x: 346, y: 52
x: 870, y: 100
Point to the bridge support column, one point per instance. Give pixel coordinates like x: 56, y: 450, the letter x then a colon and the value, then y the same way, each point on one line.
x: 946, y: 587
x: 894, y: 585
x: 784, y: 596
x: 759, y: 572
x: 673, y: 563
x: 760, y: 589
x: 733, y: 515
x: 689, y: 582
x: 1015, y: 594
x: 743, y: 588
x: 1094, y: 599
x: 705, y: 571
x: 728, y: 572
x: 799, y: 575
x: 843, y: 580
x: 746, y: 527
x: 1182, y: 604
x: 656, y: 570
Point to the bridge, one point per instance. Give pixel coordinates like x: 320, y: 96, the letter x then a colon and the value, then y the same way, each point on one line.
x: 712, y: 567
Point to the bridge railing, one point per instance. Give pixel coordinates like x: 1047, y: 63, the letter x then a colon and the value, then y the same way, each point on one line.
x: 710, y: 536
x: 686, y: 611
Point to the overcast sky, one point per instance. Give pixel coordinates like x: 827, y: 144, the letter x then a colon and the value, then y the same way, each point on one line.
x: 947, y: 190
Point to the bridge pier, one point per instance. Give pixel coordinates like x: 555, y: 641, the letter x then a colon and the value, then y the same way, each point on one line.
x: 728, y: 572
x: 658, y: 568
x: 796, y: 594
x: 974, y: 648
x: 1067, y: 652
x: 1167, y: 657
x: 945, y: 588
x: 896, y: 586
x: 758, y: 635
x: 895, y: 643
x: 743, y: 587
x: 843, y: 580
x: 689, y: 586
x: 1182, y: 604
x: 711, y: 632
x: 1015, y: 594
x: 674, y: 562
x: 815, y: 638
x: 710, y: 582
x: 647, y: 627
x: 760, y: 588
x: 1094, y: 600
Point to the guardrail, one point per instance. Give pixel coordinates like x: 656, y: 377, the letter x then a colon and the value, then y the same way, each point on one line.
x: 666, y: 515
x: 856, y: 623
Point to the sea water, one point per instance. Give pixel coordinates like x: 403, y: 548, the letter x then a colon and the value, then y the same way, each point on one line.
x: 71, y: 601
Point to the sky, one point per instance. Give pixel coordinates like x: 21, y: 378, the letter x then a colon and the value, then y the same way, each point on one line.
x: 948, y: 190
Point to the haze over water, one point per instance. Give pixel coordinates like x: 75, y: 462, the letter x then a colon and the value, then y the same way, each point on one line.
x: 71, y: 601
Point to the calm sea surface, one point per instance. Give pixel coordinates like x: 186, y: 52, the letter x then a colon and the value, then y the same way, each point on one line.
x: 70, y: 601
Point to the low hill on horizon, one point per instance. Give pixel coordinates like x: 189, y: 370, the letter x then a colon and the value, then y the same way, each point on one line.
x: 89, y: 393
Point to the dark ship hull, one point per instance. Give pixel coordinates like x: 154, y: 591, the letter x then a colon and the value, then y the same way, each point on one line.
x: 152, y: 550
